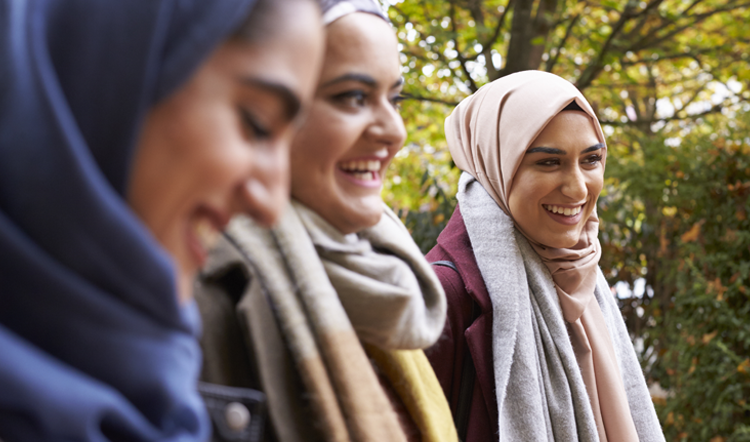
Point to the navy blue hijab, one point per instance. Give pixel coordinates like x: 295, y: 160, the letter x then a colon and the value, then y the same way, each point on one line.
x: 93, y: 343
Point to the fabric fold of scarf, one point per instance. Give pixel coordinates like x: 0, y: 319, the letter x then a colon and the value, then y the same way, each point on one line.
x: 540, y: 387
x: 390, y: 293
x: 371, y: 293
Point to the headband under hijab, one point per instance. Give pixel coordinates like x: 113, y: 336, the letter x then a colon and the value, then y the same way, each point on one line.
x: 94, y: 343
x: 488, y: 135
x: 335, y: 9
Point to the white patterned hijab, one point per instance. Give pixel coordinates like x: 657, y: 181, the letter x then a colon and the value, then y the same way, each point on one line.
x: 335, y: 9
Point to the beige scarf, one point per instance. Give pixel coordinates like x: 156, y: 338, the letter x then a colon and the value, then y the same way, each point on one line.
x: 488, y: 135
x: 315, y: 294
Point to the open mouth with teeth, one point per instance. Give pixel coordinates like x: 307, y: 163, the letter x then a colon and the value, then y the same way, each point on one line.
x: 564, y: 211
x: 206, y: 233
x: 367, y: 171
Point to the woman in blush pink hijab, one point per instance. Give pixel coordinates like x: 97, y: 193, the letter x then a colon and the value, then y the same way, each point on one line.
x: 549, y: 357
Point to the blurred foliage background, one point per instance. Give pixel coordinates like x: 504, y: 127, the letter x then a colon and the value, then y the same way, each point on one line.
x: 669, y: 80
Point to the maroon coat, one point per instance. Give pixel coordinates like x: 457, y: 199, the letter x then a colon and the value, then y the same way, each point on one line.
x: 461, y: 334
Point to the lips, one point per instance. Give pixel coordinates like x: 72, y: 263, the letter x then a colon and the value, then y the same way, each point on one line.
x: 204, y: 232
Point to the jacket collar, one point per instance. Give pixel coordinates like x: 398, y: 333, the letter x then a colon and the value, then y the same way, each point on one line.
x: 454, y: 240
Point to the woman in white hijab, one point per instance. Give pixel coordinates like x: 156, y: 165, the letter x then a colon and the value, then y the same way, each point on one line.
x: 328, y: 311
x: 545, y: 355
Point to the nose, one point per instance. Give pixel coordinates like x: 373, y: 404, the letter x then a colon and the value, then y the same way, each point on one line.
x: 574, y: 185
x: 388, y: 126
x: 265, y: 192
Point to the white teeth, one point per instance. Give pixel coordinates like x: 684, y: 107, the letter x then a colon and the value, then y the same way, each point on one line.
x: 206, y: 233
x: 566, y: 211
x: 361, y: 166
x: 364, y: 176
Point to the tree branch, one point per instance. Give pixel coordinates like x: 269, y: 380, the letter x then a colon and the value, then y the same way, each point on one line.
x: 714, y: 109
x: 500, y: 22
x: 644, y: 42
x: 417, y: 97
x: 460, y: 57
x: 593, y: 69
x: 551, y: 62
x: 517, y: 58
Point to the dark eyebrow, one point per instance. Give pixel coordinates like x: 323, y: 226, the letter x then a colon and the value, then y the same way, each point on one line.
x: 362, y: 78
x: 554, y: 151
x: 292, y: 103
x: 547, y: 150
x: 593, y: 148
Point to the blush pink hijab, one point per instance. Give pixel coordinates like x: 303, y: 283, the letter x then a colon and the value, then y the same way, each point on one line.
x: 488, y: 135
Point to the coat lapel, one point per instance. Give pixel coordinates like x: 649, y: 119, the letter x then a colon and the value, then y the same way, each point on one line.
x: 455, y: 242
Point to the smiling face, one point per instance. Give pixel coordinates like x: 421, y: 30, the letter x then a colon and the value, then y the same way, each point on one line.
x: 341, y: 153
x: 555, y: 188
x: 219, y: 145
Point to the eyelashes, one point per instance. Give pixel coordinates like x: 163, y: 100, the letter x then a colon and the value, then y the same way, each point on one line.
x: 352, y: 98
x: 253, y: 126
x: 358, y: 98
x: 593, y: 159
x: 589, y: 160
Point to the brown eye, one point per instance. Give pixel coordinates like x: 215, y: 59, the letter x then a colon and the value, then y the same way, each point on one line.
x: 593, y: 159
x: 353, y: 98
x: 549, y: 162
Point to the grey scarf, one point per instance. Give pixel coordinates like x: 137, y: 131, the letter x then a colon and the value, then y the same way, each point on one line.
x: 387, y: 288
x: 539, y: 388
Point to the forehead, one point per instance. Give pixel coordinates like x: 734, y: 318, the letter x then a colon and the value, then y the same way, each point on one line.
x: 361, y: 42
x: 287, y: 56
x: 568, y: 129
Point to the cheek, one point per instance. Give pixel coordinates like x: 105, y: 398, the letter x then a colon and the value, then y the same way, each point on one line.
x: 217, y: 154
x: 596, y: 183
x: 321, y: 143
x: 527, y: 189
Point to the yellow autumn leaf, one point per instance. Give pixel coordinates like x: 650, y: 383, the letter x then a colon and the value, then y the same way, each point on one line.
x: 669, y: 211
x: 744, y: 366
x: 717, y: 439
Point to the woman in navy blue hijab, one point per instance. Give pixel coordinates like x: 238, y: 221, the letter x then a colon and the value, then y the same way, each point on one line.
x: 130, y: 131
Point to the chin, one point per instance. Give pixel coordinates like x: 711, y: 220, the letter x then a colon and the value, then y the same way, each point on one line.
x: 184, y: 285
x: 565, y: 242
x: 363, y: 219
x: 556, y: 240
